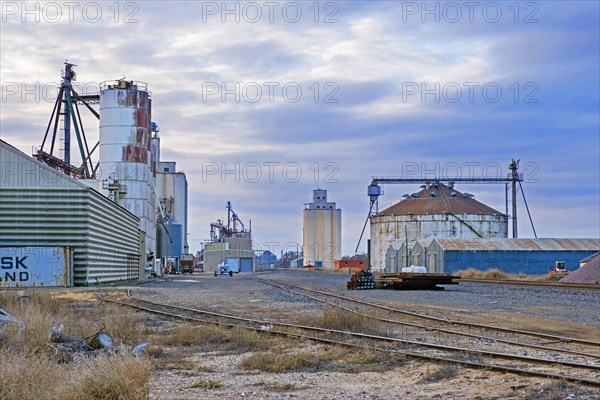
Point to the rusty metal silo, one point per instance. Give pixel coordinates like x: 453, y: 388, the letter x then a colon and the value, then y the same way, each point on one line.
x: 126, y: 162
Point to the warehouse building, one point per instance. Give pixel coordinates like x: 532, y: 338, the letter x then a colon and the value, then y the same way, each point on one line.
x: 237, y: 252
x: 231, y: 244
x: 395, y: 258
x: 40, y: 206
x: 436, y: 211
x: 513, y: 256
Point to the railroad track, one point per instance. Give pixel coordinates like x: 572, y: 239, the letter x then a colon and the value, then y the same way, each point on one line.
x: 499, y: 334
x: 587, y: 373
x: 514, y: 282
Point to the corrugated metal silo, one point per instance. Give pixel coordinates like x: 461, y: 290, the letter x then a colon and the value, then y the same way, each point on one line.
x: 171, y: 246
x: 437, y: 211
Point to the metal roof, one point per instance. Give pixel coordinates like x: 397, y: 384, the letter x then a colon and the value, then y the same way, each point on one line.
x: 520, y: 244
x: 40, y: 206
x: 588, y: 273
x: 439, y: 199
x: 21, y: 170
x: 590, y: 258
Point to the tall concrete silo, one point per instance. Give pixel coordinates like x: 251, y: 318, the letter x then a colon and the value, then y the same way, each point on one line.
x: 437, y: 211
x: 322, y: 231
x: 126, y: 161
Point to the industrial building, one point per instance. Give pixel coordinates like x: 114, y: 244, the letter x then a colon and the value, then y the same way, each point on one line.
x: 395, y: 258
x: 172, y: 192
x: 322, y: 236
x: 110, y: 212
x: 230, y: 243
x: 265, y: 259
x: 528, y: 256
x: 350, y: 264
x: 41, y: 206
x: 436, y: 211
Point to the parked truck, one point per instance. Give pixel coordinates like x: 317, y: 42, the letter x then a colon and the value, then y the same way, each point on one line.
x: 186, y: 263
x: 223, y: 269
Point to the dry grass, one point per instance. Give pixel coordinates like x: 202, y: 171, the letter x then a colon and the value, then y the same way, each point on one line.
x: 279, y: 387
x: 219, y: 337
x: 179, y: 364
x: 554, y: 390
x: 442, y: 372
x: 351, y: 360
x: 121, y: 324
x: 337, y: 319
x: 116, y: 377
x: 35, y: 374
x: 496, y: 274
x: 187, y: 335
x: 344, y: 359
x: 172, y: 358
x: 476, y: 274
x: 207, y: 384
x: 280, y: 362
x: 76, y: 296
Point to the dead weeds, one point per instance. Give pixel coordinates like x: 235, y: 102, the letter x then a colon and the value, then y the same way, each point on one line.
x: 35, y: 374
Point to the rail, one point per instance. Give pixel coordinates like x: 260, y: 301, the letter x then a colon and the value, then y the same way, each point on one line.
x: 592, y: 381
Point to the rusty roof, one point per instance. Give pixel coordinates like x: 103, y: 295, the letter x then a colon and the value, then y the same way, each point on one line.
x: 521, y: 244
x: 438, y: 199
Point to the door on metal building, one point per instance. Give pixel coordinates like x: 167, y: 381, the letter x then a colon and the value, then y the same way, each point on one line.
x: 245, y: 265
x: 391, y: 267
x: 432, y: 267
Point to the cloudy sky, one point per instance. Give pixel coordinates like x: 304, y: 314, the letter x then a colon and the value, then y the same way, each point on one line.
x: 261, y: 102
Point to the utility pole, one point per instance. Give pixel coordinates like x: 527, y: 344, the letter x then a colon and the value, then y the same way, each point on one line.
x: 514, y: 166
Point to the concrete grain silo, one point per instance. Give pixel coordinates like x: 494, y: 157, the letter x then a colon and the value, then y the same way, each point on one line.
x: 322, y: 231
x: 437, y: 211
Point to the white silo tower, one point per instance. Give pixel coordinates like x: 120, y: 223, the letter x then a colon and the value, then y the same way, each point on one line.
x: 126, y: 160
x: 322, y: 231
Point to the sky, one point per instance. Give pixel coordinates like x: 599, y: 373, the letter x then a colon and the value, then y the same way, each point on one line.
x: 262, y: 102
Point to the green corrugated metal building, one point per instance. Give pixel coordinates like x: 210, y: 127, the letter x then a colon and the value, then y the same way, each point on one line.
x: 40, y: 206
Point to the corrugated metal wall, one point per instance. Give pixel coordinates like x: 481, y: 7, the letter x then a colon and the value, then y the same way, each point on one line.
x: 513, y: 256
x: 105, y: 238
x: 512, y: 262
x: 40, y: 206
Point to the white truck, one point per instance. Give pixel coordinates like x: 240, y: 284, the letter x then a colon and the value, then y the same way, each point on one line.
x: 223, y: 269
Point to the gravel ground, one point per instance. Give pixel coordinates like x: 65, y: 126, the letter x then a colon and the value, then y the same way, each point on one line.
x: 566, y: 310
x: 572, y: 305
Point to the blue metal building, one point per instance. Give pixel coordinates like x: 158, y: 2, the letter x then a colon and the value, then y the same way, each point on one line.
x: 513, y: 256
